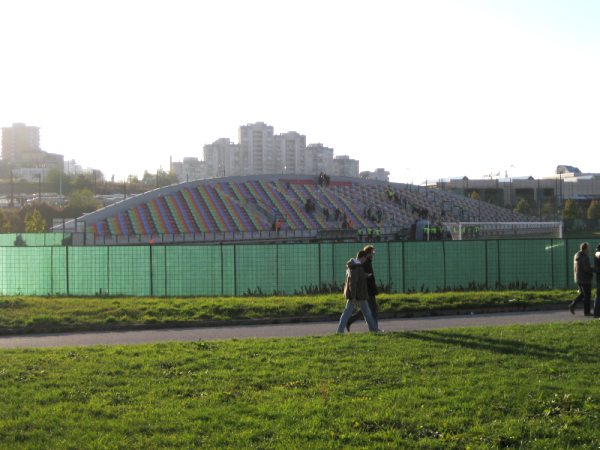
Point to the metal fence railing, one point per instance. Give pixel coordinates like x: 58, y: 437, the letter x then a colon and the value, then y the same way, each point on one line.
x: 237, y: 269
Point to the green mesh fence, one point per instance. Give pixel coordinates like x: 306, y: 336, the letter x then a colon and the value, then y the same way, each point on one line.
x: 34, y: 239
x: 234, y: 270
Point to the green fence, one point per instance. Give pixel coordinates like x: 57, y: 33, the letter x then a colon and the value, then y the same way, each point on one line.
x: 34, y: 239
x: 227, y: 270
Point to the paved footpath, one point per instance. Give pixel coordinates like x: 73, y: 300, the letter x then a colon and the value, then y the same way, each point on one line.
x: 282, y: 330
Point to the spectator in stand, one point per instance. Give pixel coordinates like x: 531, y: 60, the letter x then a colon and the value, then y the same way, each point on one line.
x: 337, y: 213
x: 278, y: 227
x: 326, y: 212
x: 344, y: 224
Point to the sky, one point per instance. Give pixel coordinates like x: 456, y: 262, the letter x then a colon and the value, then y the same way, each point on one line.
x: 425, y: 89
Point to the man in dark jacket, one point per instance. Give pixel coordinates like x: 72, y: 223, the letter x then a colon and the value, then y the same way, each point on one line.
x: 371, y: 289
x: 584, y: 274
x: 355, y: 290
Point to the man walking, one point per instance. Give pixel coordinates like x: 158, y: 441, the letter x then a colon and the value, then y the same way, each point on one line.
x: 371, y: 289
x: 584, y: 274
x: 355, y: 290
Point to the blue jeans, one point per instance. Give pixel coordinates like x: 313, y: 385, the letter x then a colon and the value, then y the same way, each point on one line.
x: 364, y: 307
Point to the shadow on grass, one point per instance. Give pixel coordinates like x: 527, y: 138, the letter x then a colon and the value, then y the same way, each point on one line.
x: 506, y: 346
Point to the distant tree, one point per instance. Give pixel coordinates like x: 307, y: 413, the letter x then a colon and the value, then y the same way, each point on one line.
x: 572, y: 210
x: 523, y: 207
x: 133, y: 178
x: 84, y: 181
x: 4, y: 223
x: 34, y: 222
x: 5, y: 170
x: 547, y: 208
x: 82, y: 199
x: 594, y: 210
x: 148, y: 179
x: 475, y: 196
x: 53, y: 180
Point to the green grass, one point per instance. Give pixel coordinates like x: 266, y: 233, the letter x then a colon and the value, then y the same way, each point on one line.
x: 520, y: 386
x: 28, y: 314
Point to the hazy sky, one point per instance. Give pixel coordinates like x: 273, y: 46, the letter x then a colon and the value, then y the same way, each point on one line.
x: 425, y: 89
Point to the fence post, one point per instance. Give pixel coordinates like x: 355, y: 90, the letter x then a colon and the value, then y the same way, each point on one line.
x: 165, y: 247
x: 151, y: 275
x: 277, y: 266
x: 234, y: 272
x: 486, y: 265
x: 108, y: 269
x: 552, y: 259
x: 498, y: 247
x: 389, y: 262
x: 320, y: 284
x: 444, y: 253
x: 567, y: 271
x: 403, y: 270
x: 222, y: 276
x: 51, y: 269
x: 332, y: 264
x: 67, y: 263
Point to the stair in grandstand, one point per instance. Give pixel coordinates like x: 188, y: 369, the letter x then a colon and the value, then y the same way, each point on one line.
x: 201, y: 215
x: 292, y: 208
x: 248, y: 221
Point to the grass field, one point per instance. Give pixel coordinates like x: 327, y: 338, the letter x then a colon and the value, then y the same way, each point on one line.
x: 520, y: 386
x: 27, y: 314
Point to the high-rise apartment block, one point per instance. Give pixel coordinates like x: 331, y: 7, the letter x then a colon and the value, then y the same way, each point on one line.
x: 343, y: 166
x: 190, y: 169
x: 260, y: 151
x: 18, y: 139
x: 21, y: 147
x: 319, y: 159
x: 222, y: 158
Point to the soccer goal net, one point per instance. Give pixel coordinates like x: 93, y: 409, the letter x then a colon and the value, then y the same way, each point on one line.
x: 461, y: 231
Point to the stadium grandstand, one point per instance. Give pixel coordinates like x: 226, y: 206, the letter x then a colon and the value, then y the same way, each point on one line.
x: 268, y: 207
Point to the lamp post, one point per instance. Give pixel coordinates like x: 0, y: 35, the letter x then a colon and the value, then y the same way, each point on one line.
x: 39, y: 175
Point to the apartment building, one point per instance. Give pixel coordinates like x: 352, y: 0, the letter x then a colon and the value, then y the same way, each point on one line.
x: 18, y: 139
x: 343, y: 166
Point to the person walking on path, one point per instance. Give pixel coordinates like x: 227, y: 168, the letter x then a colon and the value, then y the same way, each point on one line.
x: 584, y: 274
x: 355, y: 290
x: 371, y: 289
x: 597, y: 270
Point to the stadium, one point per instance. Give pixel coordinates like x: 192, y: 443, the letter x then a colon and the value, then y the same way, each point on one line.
x: 246, y: 208
x: 275, y: 234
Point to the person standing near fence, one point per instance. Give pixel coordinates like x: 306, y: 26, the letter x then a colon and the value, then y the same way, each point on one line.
x: 584, y: 274
x: 355, y: 290
x: 597, y: 270
x: 371, y: 289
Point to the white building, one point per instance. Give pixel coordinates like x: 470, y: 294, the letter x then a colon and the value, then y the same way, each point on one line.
x: 343, y: 166
x: 290, y: 153
x: 259, y: 151
x: 379, y: 174
x: 190, y: 169
x: 319, y: 159
x: 222, y: 158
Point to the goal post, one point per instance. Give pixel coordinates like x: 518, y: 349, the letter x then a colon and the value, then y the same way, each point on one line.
x: 461, y: 231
